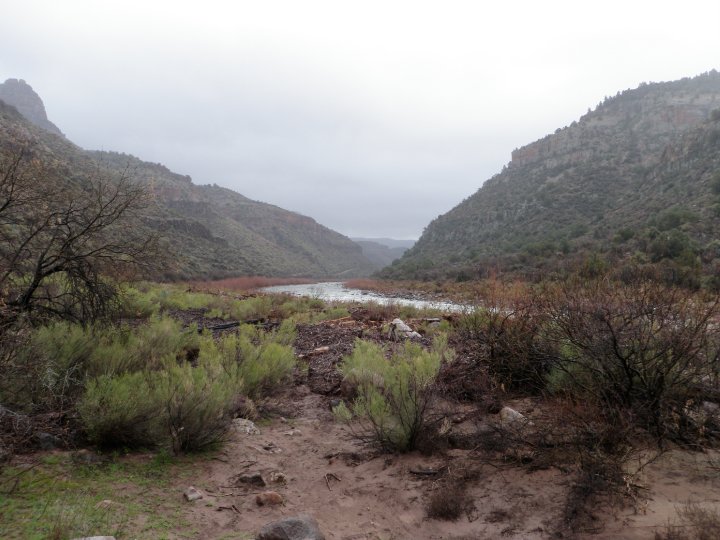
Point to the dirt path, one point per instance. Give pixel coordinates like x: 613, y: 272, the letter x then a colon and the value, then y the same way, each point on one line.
x: 355, y: 494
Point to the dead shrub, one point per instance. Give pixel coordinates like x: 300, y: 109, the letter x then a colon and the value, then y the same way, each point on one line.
x: 449, y: 502
x: 646, y: 349
x: 508, y: 331
x: 694, y: 523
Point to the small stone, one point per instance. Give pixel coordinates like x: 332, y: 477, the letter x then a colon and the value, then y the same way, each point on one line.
x: 302, y: 527
x: 334, y: 403
x: 48, y: 441
x: 710, y: 407
x: 278, y: 477
x: 269, y: 498
x: 192, y: 494
x: 252, y: 479
x: 245, y: 426
x: 105, y: 504
x: 293, y: 432
x: 509, y: 417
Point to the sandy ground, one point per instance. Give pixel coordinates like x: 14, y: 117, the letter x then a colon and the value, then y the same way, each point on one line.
x: 357, y: 494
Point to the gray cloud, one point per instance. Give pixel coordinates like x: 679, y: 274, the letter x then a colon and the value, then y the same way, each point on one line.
x: 371, y: 117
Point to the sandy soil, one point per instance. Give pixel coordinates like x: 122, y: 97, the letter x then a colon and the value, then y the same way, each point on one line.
x: 357, y: 494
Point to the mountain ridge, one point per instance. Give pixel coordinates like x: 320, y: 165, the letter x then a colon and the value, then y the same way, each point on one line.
x: 213, y: 232
x: 560, y: 199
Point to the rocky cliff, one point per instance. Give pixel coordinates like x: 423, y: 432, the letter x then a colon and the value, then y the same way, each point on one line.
x: 583, y: 189
x: 210, y: 231
x: 19, y: 94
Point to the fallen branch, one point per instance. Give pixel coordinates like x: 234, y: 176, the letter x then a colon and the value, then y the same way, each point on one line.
x: 327, y: 479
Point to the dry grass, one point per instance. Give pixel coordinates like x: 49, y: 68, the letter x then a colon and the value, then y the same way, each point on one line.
x: 449, y: 502
x: 694, y: 523
x: 247, y: 283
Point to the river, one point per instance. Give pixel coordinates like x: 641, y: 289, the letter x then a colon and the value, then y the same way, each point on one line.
x: 336, y: 291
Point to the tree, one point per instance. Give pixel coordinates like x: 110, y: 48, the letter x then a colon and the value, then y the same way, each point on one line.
x: 65, y: 240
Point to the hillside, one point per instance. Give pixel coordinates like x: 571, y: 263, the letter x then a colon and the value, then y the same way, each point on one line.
x: 210, y: 231
x: 383, y: 251
x: 633, y: 181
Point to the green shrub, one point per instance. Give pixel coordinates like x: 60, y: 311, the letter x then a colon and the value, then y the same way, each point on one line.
x: 48, y: 374
x: 136, y: 304
x: 122, y: 350
x: 184, y: 407
x: 392, y: 395
x: 197, y: 402
x: 121, y: 411
x: 264, y: 359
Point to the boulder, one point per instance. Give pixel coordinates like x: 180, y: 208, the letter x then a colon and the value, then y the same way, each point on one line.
x: 302, y: 527
x: 192, y: 494
x: 269, y: 498
x: 510, y: 417
x: 398, y: 330
x: 250, y: 479
x: 244, y: 426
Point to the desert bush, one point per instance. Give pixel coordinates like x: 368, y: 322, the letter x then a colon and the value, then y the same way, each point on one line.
x: 694, y: 523
x: 263, y: 359
x: 47, y: 372
x: 647, y: 349
x: 136, y: 304
x: 392, y: 394
x: 121, y: 350
x: 509, y: 332
x: 184, y: 407
x: 121, y: 411
x: 197, y: 402
x: 448, y: 502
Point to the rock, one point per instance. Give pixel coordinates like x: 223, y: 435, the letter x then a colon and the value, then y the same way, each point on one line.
x: 302, y: 527
x: 48, y: 441
x: 510, y: 417
x: 398, y: 329
x: 710, y: 407
x: 20, y: 95
x: 250, y: 479
x: 192, y: 494
x: 293, y: 432
x: 278, y: 477
x: 335, y: 402
x: 105, y: 504
x: 269, y: 498
x: 244, y: 426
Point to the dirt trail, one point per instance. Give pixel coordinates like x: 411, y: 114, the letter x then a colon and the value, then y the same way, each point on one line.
x: 357, y: 495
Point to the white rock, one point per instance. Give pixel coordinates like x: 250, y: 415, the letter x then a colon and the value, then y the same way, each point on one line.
x: 510, y: 417
x: 192, y: 494
x: 245, y: 426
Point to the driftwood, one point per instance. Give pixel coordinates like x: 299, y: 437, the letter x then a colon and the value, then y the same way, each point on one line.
x: 231, y: 324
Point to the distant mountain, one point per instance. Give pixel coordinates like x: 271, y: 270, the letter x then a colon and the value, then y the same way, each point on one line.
x: 389, y: 242
x: 634, y: 182
x: 212, y: 232
x: 20, y: 95
x: 383, y: 251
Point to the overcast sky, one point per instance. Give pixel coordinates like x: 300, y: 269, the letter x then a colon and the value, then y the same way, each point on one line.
x: 373, y: 117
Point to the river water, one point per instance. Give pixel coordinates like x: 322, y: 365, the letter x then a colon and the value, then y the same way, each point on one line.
x: 336, y: 292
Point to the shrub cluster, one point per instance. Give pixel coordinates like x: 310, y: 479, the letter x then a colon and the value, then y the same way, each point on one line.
x: 392, y: 394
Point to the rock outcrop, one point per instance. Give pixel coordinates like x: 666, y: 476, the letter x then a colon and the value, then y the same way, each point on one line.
x: 601, y: 185
x: 19, y: 94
